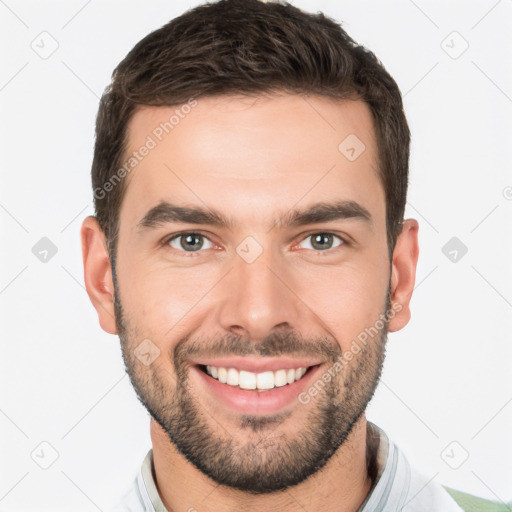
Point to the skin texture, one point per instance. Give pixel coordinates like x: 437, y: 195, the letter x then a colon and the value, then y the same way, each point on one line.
x: 254, y: 160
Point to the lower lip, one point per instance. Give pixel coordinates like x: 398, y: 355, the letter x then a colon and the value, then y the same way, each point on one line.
x: 256, y: 402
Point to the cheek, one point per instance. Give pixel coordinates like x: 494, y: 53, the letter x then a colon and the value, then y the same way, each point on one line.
x: 160, y: 299
x: 347, y: 299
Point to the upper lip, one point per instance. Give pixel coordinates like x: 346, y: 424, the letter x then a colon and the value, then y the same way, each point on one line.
x: 257, y: 364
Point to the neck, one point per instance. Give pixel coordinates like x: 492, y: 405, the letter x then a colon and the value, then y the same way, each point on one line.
x: 342, y: 484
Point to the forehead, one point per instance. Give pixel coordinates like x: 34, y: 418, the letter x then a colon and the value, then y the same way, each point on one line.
x: 250, y: 155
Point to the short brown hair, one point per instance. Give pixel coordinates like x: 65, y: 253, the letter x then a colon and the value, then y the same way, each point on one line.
x: 248, y: 47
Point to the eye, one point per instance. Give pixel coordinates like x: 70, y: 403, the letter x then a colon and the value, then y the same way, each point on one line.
x: 322, y: 241
x: 189, y: 242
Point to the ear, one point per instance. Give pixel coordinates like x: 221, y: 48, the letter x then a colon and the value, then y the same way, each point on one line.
x: 98, y: 273
x: 403, y: 274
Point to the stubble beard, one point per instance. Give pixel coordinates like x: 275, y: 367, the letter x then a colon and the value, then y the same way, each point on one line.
x: 259, y: 455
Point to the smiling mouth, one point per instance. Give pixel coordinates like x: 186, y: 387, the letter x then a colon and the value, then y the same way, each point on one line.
x: 264, y: 381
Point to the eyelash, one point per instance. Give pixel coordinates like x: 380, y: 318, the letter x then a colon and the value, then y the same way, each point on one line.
x: 188, y: 254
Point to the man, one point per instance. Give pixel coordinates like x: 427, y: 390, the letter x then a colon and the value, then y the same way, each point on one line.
x: 249, y: 248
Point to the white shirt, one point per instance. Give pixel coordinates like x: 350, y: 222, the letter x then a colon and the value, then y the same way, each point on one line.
x: 398, y: 487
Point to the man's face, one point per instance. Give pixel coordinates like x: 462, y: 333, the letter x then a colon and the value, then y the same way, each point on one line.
x: 261, y: 295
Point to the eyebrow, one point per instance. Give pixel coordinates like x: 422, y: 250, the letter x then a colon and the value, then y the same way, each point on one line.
x: 165, y: 213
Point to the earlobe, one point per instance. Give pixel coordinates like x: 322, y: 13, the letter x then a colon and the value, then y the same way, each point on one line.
x: 98, y: 273
x: 403, y: 274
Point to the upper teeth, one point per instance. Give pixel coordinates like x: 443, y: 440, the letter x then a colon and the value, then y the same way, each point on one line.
x: 249, y: 380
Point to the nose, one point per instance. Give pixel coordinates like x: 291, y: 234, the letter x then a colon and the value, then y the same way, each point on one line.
x: 259, y: 297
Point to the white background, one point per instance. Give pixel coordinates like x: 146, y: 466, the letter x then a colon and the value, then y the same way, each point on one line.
x: 448, y: 373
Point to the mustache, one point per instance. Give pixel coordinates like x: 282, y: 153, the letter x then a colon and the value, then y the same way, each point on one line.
x: 289, y: 343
